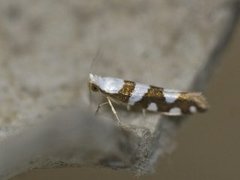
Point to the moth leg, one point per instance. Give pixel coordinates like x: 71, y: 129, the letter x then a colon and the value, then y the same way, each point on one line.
x: 100, y: 105
x: 113, y: 110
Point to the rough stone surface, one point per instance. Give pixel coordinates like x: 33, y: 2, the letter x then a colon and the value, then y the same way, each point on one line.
x: 46, y: 53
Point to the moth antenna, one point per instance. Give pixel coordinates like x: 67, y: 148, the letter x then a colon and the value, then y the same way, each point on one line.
x: 95, y: 59
x: 98, y: 53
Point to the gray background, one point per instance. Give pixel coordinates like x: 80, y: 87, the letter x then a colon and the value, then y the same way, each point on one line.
x: 47, y: 47
x: 207, y: 145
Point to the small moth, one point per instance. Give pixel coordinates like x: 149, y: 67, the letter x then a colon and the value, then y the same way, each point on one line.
x: 146, y: 97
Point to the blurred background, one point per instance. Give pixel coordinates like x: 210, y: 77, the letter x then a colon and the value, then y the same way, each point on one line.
x: 207, y: 146
x: 46, y: 48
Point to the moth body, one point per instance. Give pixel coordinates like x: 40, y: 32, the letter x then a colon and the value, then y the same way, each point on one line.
x: 148, y: 97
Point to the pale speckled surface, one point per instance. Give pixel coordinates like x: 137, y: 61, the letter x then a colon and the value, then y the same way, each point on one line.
x: 207, y: 145
x: 46, y: 50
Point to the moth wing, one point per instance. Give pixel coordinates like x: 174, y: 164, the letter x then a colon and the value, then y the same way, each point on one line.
x: 138, y: 93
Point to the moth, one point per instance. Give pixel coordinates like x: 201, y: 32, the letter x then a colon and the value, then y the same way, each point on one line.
x: 146, y: 97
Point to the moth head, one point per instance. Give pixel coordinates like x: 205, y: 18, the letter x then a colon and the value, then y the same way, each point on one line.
x: 93, y: 87
x: 92, y: 83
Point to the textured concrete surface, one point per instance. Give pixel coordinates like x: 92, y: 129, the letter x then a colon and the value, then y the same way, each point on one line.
x: 46, y: 52
x: 207, y: 145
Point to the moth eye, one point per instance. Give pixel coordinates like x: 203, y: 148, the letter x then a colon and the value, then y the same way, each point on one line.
x: 93, y: 87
